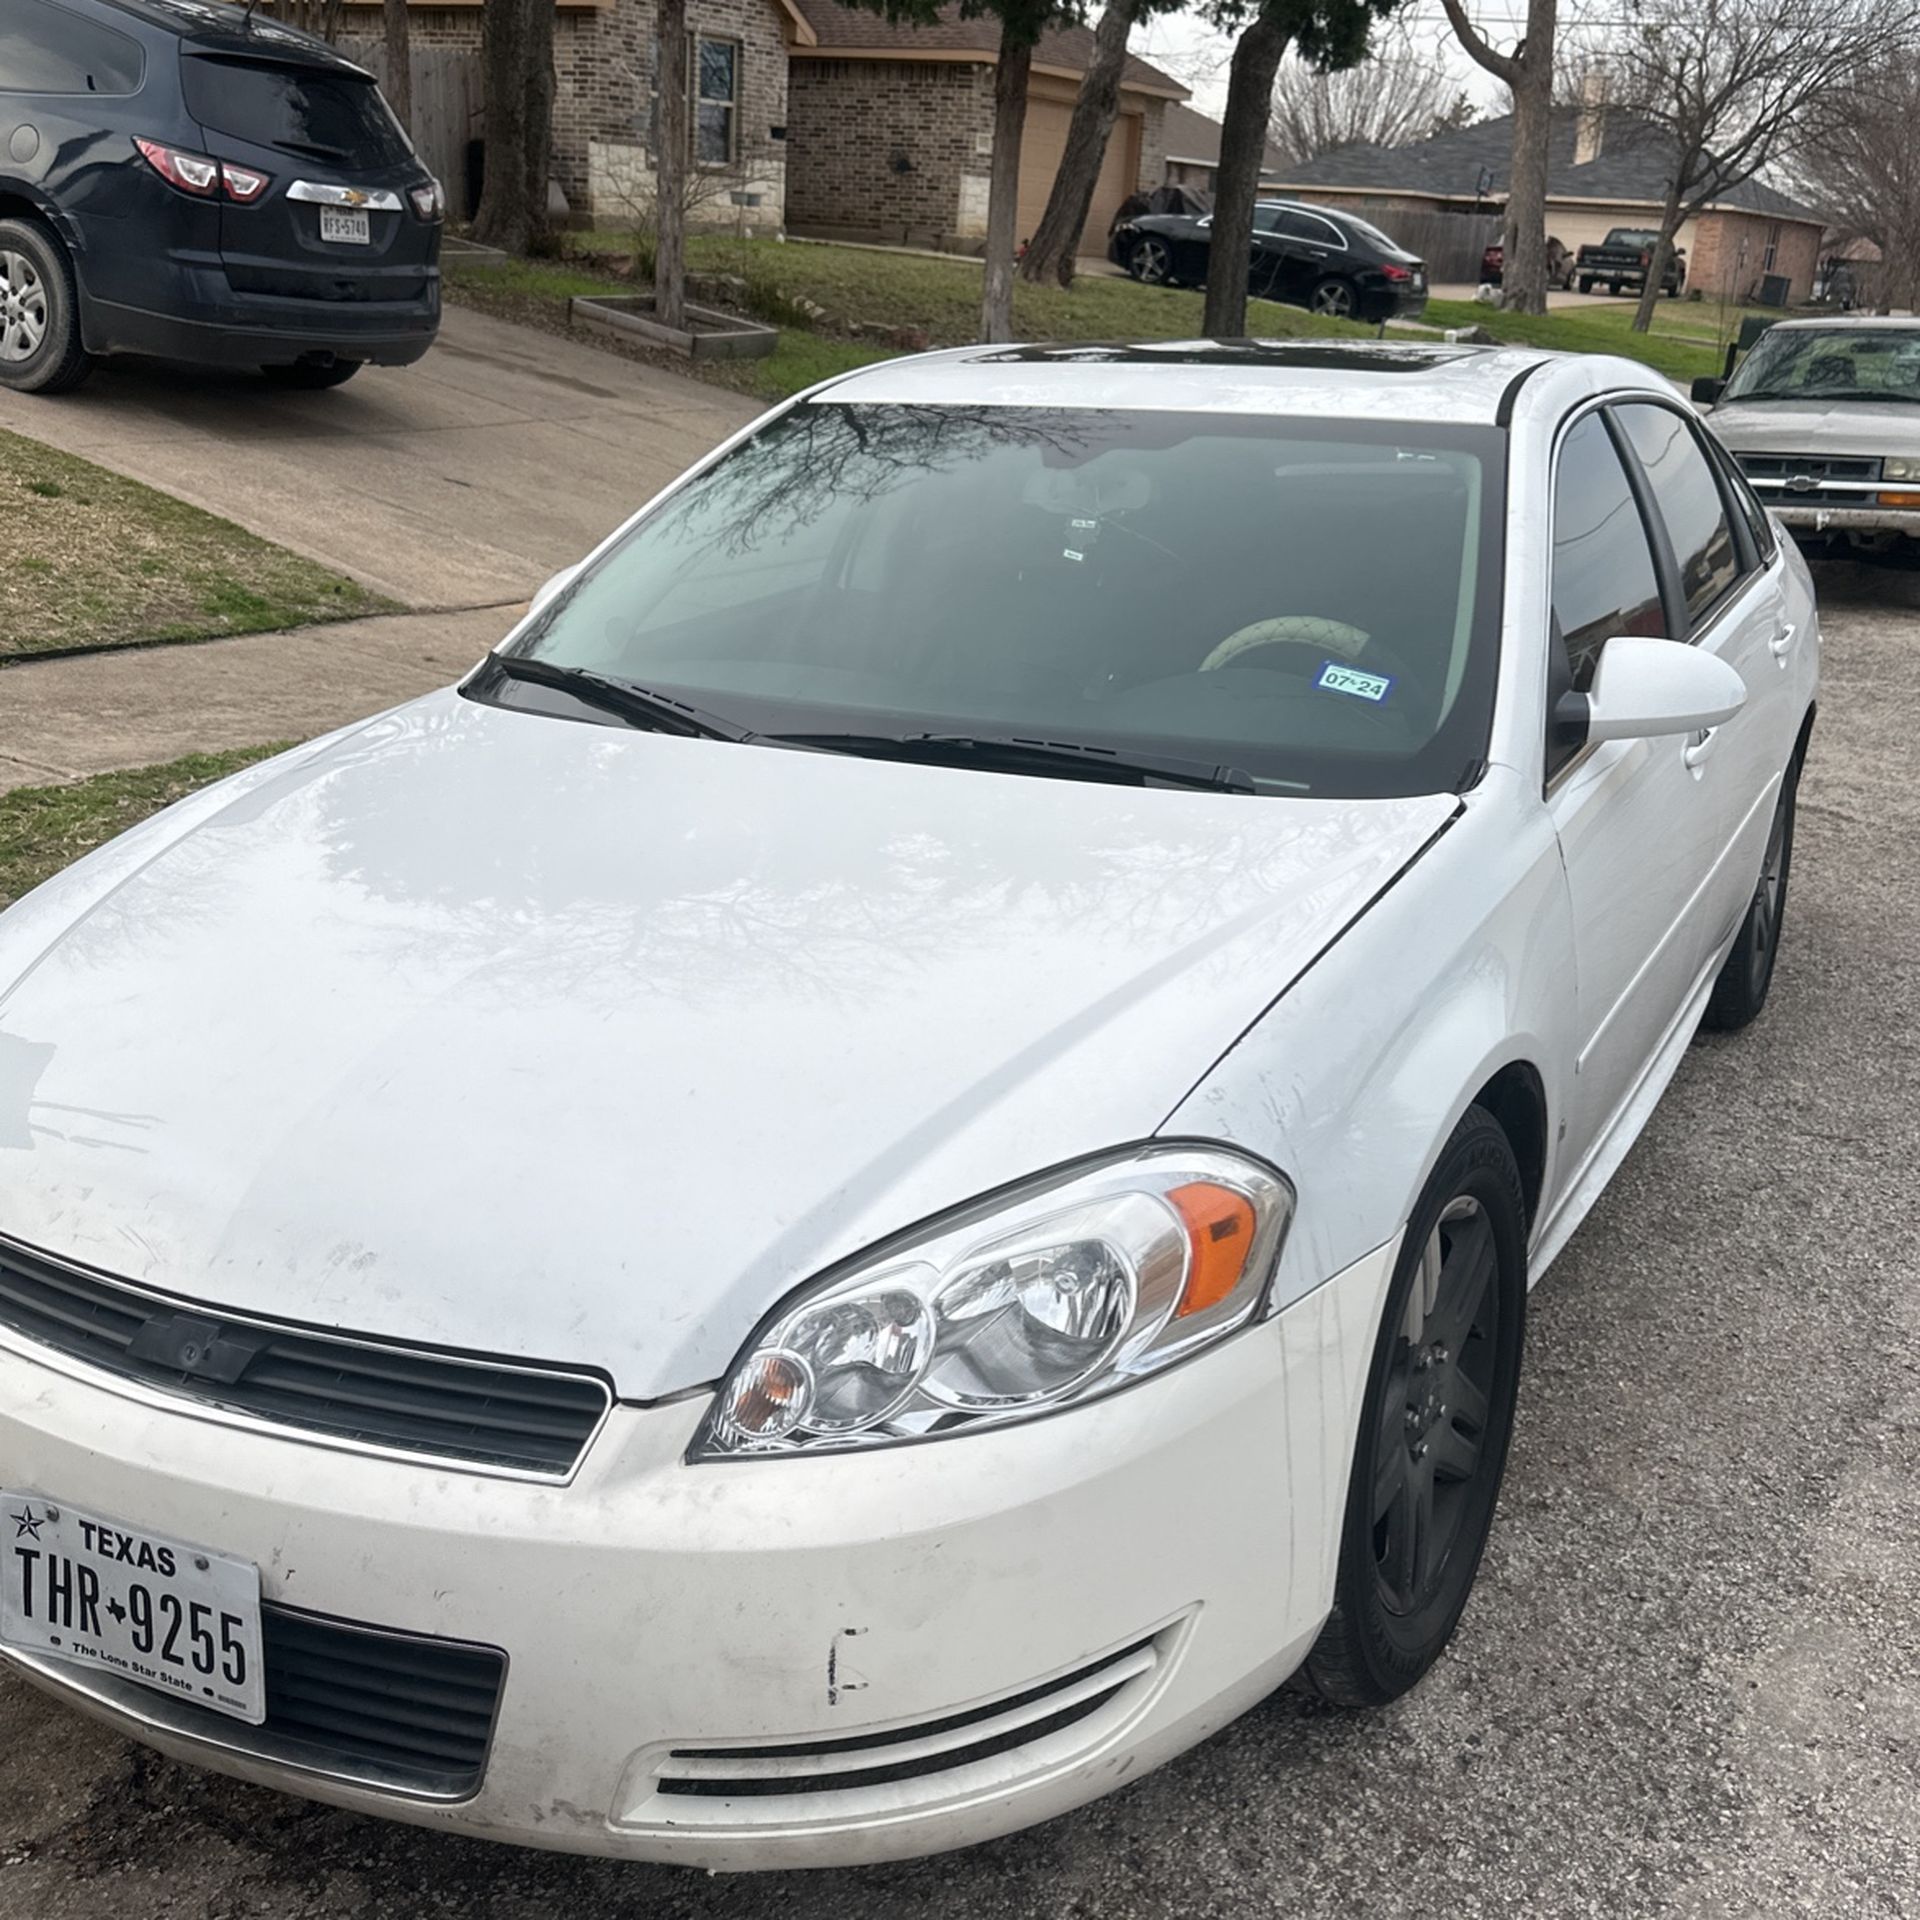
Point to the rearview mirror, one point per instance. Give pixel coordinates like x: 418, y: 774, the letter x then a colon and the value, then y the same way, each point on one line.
x: 1707, y: 390
x: 1646, y: 689
x: 557, y: 585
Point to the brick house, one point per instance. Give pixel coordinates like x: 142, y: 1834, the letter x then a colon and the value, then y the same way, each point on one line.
x: 811, y: 115
x: 1606, y: 168
x: 1193, y: 153
x: 890, y: 129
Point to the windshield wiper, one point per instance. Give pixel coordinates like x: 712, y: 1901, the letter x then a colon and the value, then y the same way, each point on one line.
x: 1016, y: 755
x: 637, y: 705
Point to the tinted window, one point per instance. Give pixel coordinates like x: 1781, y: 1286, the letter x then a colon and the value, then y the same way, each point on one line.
x: 328, y: 116
x: 1303, y: 226
x: 1313, y: 601
x: 43, y: 50
x: 1746, y: 502
x: 1688, y: 496
x: 1604, y: 580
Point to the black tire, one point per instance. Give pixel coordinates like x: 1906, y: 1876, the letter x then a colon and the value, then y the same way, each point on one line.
x: 1150, y: 261
x: 1335, y: 298
x: 310, y: 376
x: 1586, y: 284
x: 1746, y: 977
x: 1431, y: 1407
x: 1613, y: 287
x: 40, y: 347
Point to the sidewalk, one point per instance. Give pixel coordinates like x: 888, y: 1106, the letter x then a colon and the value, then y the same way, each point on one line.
x: 66, y: 719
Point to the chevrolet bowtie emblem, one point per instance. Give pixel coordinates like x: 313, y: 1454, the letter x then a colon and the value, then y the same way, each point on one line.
x: 352, y: 197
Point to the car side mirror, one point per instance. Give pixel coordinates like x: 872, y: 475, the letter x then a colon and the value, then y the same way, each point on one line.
x: 554, y: 588
x: 1647, y: 689
x: 1707, y: 390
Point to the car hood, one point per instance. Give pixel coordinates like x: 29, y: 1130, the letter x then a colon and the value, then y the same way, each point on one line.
x: 1824, y: 427
x: 565, y: 1042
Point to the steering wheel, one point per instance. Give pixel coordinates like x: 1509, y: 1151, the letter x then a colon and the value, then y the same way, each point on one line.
x: 1307, y: 630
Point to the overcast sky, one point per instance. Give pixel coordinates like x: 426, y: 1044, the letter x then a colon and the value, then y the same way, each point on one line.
x: 1185, y: 46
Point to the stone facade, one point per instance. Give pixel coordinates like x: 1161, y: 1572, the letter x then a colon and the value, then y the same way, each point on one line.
x: 602, y: 58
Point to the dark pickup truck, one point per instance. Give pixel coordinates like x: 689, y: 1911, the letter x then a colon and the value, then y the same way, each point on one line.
x: 1621, y: 261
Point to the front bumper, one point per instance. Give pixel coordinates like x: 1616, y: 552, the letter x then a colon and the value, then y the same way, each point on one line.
x: 1826, y: 519
x: 1167, y: 1553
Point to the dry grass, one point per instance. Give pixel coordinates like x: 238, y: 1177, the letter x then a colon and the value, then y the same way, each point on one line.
x: 88, y: 559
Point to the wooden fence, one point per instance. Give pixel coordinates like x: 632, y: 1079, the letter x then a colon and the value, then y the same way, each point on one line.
x: 447, y: 97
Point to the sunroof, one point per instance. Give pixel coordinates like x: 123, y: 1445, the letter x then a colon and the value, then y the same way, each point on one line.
x: 1361, y: 355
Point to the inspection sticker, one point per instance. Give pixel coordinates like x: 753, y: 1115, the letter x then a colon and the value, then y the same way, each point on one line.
x: 1336, y: 678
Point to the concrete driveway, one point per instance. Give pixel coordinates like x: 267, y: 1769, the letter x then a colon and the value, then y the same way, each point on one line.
x: 1689, y: 1682
x: 461, y: 482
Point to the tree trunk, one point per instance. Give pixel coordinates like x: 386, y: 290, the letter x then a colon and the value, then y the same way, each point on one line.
x: 1657, y: 266
x: 1243, y: 143
x: 670, y: 165
x: 1523, y: 274
x: 1056, y: 241
x: 1003, y: 189
x: 516, y: 54
x: 399, y: 88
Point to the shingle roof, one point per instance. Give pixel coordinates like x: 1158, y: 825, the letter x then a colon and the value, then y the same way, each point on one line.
x: 1193, y: 137
x: 1634, y: 163
x: 1067, y: 49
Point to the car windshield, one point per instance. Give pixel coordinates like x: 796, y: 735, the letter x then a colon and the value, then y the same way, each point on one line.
x: 1632, y: 237
x: 1312, y: 602
x: 1831, y: 363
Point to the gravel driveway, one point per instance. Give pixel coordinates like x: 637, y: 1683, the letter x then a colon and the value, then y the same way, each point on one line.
x: 1690, y: 1680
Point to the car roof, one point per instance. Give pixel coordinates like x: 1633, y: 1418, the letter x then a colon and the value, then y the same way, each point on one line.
x: 1360, y: 379
x: 226, y: 27
x: 1876, y: 323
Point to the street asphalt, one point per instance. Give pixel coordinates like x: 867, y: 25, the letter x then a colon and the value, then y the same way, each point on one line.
x: 1689, y: 1681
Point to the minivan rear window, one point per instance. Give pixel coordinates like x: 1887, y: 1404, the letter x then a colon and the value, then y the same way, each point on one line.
x: 322, y: 116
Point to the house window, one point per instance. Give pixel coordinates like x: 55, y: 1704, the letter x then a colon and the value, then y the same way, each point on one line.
x: 713, y: 96
x: 1773, y: 248
x: 716, y: 80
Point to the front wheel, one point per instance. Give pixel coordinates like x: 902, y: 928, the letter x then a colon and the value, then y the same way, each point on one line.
x: 1151, y: 262
x: 1746, y: 976
x: 1434, y: 1426
x: 1586, y: 285
x: 311, y: 376
x: 1332, y: 297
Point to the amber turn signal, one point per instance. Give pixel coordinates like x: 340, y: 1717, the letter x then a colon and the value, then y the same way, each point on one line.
x: 1219, y: 1224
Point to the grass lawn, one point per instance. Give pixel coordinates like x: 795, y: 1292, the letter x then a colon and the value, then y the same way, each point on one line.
x: 90, y: 559
x: 1677, y: 351
x: 43, y: 829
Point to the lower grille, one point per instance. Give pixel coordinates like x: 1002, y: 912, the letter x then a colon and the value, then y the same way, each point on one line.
x: 518, y: 1418
x: 929, y: 1752
x: 404, y: 1713
x: 408, y: 1711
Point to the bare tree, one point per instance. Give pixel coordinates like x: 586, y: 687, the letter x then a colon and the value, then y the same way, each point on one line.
x: 1528, y: 71
x: 673, y: 139
x: 1331, y: 34
x: 516, y: 58
x: 1056, y: 240
x: 1864, y: 165
x: 399, y: 39
x: 1733, y: 87
x: 1397, y: 95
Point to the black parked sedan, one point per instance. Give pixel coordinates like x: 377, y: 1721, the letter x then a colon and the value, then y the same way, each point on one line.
x: 1307, y: 256
x: 198, y: 183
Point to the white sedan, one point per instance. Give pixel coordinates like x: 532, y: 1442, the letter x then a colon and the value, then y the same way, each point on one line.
x: 893, y: 1164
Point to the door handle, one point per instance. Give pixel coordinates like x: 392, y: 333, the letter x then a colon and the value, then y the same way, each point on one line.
x: 1699, y: 747
x: 1782, y: 642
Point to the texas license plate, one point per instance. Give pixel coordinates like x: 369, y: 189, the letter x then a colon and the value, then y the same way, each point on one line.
x: 355, y: 229
x: 104, y: 1593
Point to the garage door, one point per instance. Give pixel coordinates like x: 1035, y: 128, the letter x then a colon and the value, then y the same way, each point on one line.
x: 1041, y: 146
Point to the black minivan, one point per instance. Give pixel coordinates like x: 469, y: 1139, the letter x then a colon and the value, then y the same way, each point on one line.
x: 188, y: 180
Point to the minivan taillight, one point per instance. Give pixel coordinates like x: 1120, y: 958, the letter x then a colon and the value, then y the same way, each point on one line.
x: 429, y: 202
x: 194, y: 173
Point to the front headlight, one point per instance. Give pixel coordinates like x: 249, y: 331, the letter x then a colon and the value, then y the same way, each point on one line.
x: 1056, y: 1293
x: 1900, y: 468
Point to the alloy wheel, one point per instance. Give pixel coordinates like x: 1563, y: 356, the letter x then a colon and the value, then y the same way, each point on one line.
x: 1430, y: 1452
x: 23, y: 308
x: 1333, y: 298
x: 1150, y: 262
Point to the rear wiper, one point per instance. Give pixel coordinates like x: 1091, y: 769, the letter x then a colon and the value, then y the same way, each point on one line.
x: 637, y: 705
x: 1017, y: 755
